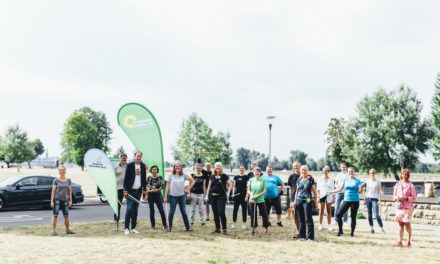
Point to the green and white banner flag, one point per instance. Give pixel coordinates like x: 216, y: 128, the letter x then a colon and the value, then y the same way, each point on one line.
x: 142, y: 128
x: 101, y: 170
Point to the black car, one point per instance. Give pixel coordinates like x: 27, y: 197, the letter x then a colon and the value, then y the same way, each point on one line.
x: 31, y: 190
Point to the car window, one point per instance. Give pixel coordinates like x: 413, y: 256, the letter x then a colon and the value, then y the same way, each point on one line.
x: 45, y: 181
x: 32, y: 181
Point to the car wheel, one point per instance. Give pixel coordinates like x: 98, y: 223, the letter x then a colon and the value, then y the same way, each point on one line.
x: 2, y: 203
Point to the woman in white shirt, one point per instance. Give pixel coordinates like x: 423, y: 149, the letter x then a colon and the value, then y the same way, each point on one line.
x: 326, y: 199
x: 373, y: 200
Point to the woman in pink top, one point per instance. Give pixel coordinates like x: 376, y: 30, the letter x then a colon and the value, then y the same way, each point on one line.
x: 404, y: 194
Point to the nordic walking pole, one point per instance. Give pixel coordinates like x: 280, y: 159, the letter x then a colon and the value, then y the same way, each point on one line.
x: 254, y: 217
x: 293, y: 221
x: 134, y: 199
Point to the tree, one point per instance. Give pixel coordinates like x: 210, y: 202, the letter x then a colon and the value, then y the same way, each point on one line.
x: 38, y: 148
x: 387, y: 131
x: 16, y: 147
x: 322, y: 162
x: 119, y: 152
x: 311, y: 163
x: 334, y: 136
x: 435, y: 107
x: 104, y: 131
x: 243, y: 156
x: 196, y: 140
x: 299, y: 155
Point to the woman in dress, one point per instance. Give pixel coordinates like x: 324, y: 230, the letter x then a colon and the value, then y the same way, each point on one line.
x: 404, y: 195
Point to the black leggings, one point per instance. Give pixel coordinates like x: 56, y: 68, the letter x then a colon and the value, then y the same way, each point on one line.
x: 353, y: 212
x: 239, y: 200
x: 218, y: 203
x: 263, y: 213
x: 152, y: 199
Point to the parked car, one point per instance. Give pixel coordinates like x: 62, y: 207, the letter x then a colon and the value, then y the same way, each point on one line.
x: 31, y: 190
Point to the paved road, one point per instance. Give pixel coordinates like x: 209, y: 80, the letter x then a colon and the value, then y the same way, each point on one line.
x: 79, y: 213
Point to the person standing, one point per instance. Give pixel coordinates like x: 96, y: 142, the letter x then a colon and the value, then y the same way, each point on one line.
x: 219, y: 187
x: 373, y: 199
x: 154, y: 187
x: 352, y: 187
x: 404, y: 194
x: 198, y: 192
x: 175, y: 192
x: 306, y: 186
x: 340, y: 178
x: 272, y: 196
x: 239, y: 193
x: 61, y: 198
x: 135, y: 183
x: 326, y: 198
x: 120, y: 169
x: 256, y: 188
x: 207, y: 172
x: 291, y: 182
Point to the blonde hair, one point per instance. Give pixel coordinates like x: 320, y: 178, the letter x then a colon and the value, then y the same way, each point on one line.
x: 221, y: 166
x: 62, y: 166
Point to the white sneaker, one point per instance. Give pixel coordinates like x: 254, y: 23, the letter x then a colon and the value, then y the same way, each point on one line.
x: 243, y: 226
x: 134, y: 231
x: 330, y: 228
x: 233, y: 226
x: 320, y: 228
x: 127, y: 232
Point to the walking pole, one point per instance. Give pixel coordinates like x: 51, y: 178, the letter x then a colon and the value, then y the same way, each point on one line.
x: 293, y: 221
x: 134, y: 199
x: 254, y: 217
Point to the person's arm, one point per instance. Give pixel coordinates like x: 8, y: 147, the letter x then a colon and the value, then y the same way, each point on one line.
x: 412, y: 197
x: 52, y: 196
x: 395, y: 196
x: 209, y: 189
x: 228, y: 182
x: 70, y: 195
x: 260, y: 194
x: 379, y: 187
x: 338, y: 189
x: 204, y: 188
x: 233, y: 189
x: 167, y: 190
x: 360, y: 189
x: 315, y: 194
x: 296, y: 197
x: 191, y: 184
x: 126, y: 187
x: 282, y: 188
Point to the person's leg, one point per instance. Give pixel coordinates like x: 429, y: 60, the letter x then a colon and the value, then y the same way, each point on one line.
x: 235, y: 210
x: 377, y: 213
x: 321, y: 211
x: 262, y: 208
x: 401, y: 229
x: 182, y: 207
x: 243, y: 209
x: 120, y: 196
x: 137, y: 196
x: 65, y: 208
x: 253, y: 214
x: 310, y: 227
x: 222, y: 211
x: 409, y: 231
x: 56, y: 211
x: 368, y: 203
x: 302, y: 219
x: 297, y: 223
x: 278, y: 210
x: 150, y: 199
x: 339, y: 199
x: 159, y: 205
x: 200, y: 204
x: 128, y: 212
x: 193, y: 207
x: 353, y: 214
x: 268, y: 204
x: 214, y: 204
x: 173, y: 203
x: 329, y: 213
x: 343, y: 208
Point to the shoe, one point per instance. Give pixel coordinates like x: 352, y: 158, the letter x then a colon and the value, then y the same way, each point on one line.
x: 192, y: 223
x: 330, y: 228
x: 295, y: 237
x: 409, y: 244
x: 203, y: 224
x: 225, y: 231
x: 279, y: 224
x: 169, y: 229
x: 399, y: 244
x: 189, y: 230
x: 340, y: 233
x: 207, y: 219
x: 233, y: 226
x: 216, y: 232
x: 165, y: 228
x: 70, y: 232
x: 352, y: 234
x: 126, y: 232
x: 319, y: 227
x: 372, y: 231
x: 383, y: 231
x: 243, y: 226
x: 134, y: 231
x: 309, y: 240
x: 54, y: 233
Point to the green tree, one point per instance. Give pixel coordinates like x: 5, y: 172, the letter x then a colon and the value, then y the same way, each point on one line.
x: 119, y: 152
x: 16, y: 147
x: 104, y: 131
x: 334, y: 134
x: 38, y: 149
x: 435, y: 108
x: 299, y: 155
x: 243, y: 156
x: 196, y: 140
x: 387, y: 132
x: 311, y: 163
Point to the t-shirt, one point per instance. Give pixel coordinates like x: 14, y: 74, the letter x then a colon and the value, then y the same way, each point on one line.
x: 291, y: 182
x: 218, y: 184
x: 340, y: 178
x: 272, y: 182
x: 177, y: 184
x: 351, y: 190
x: 372, y: 190
x: 120, y: 175
x: 137, y: 178
x: 257, y: 187
x: 198, y: 184
x: 250, y: 174
x: 325, y: 187
x: 62, y: 189
x: 305, y: 187
x: 241, y: 184
x: 154, y: 183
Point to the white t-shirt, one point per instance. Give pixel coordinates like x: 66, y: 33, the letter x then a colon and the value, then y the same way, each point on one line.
x: 177, y: 184
x: 372, y: 190
x: 324, y: 187
x: 137, y: 178
x: 340, y: 178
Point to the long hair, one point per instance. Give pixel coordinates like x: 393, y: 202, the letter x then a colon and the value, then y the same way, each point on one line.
x: 215, y: 171
x: 174, y: 168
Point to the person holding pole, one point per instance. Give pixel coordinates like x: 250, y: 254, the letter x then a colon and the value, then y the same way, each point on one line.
x: 61, y: 198
x: 239, y: 193
x: 207, y: 173
x: 135, y: 183
x: 120, y: 169
x: 154, y: 187
x: 198, y: 193
x: 256, y: 188
x: 175, y: 192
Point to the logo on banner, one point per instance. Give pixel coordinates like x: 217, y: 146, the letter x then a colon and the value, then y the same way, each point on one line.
x: 97, y: 164
x: 132, y: 122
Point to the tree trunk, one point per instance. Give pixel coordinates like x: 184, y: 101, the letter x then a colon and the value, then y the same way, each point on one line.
x: 396, y: 176
x: 29, y: 164
x: 82, y: 167
x: 8, y: 165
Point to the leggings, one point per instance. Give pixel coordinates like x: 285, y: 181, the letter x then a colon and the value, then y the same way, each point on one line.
x: 156, y: 198
x: 239, y: 200
x: 263, y: 213
x: 218, y: 208
x: 354, y: 206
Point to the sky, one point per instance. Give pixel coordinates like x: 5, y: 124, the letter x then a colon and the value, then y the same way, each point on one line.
x: 232, y: 62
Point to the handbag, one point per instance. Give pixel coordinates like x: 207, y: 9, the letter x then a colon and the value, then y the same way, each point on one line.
x: 399, y: 202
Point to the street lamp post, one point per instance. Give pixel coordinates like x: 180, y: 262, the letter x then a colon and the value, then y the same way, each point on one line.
x: 270, y: 120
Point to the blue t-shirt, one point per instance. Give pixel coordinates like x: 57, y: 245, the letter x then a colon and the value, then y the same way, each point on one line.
x: 351, y: 190
x: 305, y: 187
x: 272, y: 183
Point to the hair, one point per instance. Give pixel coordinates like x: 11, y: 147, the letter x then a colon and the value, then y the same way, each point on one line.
x: 351, y: 168
x: 197, y: 165
x: 215, y: 171
x: 174, y: 168
x: 296, y: 162
x: 137, y: 153
x: 207, y: 163
x: 62, y: 166
x: 123, y: 154
x: 269, y: 166
x: 326, y: 168
x: 242, y: 165
x: 373, y: 171
x: 304, y: 167
x: 258, y: 169
x: 154, y: 166
x: 405, y: 172
x: 344, y: 163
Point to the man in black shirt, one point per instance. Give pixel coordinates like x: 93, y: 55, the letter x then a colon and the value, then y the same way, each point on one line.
x: 207, y: 172
x: 291, y: 182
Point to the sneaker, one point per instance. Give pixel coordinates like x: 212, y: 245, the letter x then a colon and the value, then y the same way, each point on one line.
x: 233, y: 226
x: 134, y: 231
x: 352, y: 234
x: 372, y: 231
x: 216, y: 232
x: 340, y: 233
x: 330, y: 228
x: 165, y: 228
x: 225, y: 231
x: 319, y: 227
x: 409, y: 244
x: 399, y: 244
x: 127, y: 232
x: 70, y: 232
x: 54, y: 233
x: 279, y: 224
x: 189, y: 230
x: 243, y: 226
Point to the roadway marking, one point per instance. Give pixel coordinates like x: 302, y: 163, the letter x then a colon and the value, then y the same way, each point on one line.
x: 19, y: 218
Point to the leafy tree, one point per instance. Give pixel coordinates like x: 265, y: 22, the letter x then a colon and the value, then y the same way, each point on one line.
x: 196, y: 139
x: 16, y: 147
x: 104, y: 131
x: 311, y: 163
x: 119, y: 152
x: 322, y: 162
x: 334, y: 136
x: 387, y: 130
x: 243, y: 156
x: 435, y: 107
x: 299, y: 155
x: 281, y: 164
x: 38, y: 149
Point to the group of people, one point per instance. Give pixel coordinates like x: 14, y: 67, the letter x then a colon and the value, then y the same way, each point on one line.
x: 254, y: 192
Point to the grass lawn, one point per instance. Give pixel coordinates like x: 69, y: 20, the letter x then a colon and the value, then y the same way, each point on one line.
x: 94, y: 244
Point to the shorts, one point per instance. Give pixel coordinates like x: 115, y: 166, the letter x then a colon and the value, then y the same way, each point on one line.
x: 323, y: 199
x: 275, y: 202
x: 63, y: 205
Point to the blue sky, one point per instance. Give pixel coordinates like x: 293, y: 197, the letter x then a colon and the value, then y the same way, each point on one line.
x: 232, y: 62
